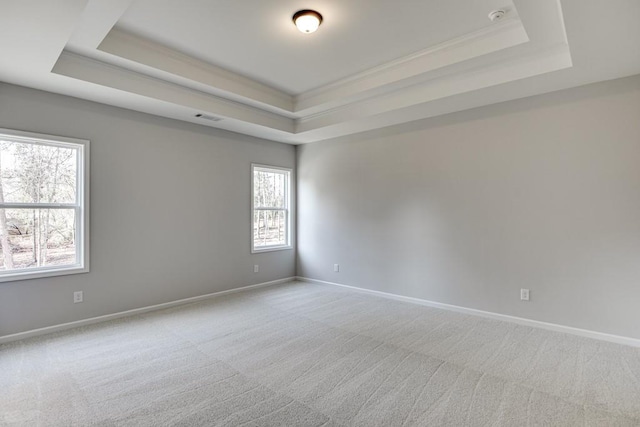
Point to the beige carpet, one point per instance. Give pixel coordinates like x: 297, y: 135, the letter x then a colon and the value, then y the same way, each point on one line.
x: 311, y: 355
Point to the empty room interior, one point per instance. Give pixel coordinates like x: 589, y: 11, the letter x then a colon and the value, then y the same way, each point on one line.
x: 320, y: 213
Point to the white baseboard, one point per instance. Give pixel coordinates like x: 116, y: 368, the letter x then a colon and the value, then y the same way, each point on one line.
x: 513, y: 319
x: 634, y: 342
x: 93, y: 320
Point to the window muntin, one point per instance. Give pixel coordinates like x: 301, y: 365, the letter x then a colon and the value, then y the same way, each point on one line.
x: 43, y: 200
x: 271, y: 217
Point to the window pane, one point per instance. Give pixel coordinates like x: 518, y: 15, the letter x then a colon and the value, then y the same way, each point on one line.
x: 32, y: 238
x: 34, y: 173
x: 269, y: 189
x: 269, y: 228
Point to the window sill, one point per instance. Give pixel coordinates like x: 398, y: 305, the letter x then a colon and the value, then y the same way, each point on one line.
x: 271, y: 249
x: 42, y: 273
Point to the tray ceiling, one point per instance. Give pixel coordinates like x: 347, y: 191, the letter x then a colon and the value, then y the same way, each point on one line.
x: 255, y: 38
x: 371, y: 64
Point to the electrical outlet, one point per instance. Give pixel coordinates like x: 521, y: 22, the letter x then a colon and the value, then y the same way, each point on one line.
x: 77, y: 297
x: 336, y: 268
x: 256, y: 268
x: 524, y: 294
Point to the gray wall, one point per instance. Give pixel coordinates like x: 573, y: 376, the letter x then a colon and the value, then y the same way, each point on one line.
x: 466, y: 209
x: 170, y: 211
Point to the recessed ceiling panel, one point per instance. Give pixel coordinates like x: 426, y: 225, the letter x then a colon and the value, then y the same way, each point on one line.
x: 257, y: 39
x: 373, y: 63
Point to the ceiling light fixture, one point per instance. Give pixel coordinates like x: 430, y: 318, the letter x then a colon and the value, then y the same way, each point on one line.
x: 307, y: 20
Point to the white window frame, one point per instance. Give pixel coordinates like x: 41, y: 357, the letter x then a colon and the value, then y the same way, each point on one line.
x: 81, y: 205
x: 287, y: 208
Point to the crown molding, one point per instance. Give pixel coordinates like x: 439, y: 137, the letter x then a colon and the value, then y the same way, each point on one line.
x: 546, y: 60
x: 129, y: 70
x: 222, y: 82
x: 93, y: 71
x: 543, y: 61
x: 505, y: 34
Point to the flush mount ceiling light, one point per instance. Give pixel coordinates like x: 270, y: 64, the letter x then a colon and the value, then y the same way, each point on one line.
x: 307, y: 20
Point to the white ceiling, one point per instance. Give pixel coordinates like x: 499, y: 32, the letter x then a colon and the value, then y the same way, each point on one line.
x: 372, y: 63
x: 256, y: 38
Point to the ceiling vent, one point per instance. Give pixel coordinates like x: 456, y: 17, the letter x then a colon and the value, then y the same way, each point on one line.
x: 208, y: 117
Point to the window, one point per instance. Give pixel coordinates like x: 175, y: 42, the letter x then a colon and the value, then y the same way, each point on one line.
x: 271, y: 223
x: 43, y: 205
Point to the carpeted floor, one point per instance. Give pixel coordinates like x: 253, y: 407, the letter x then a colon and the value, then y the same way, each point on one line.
x: 310, y: 355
